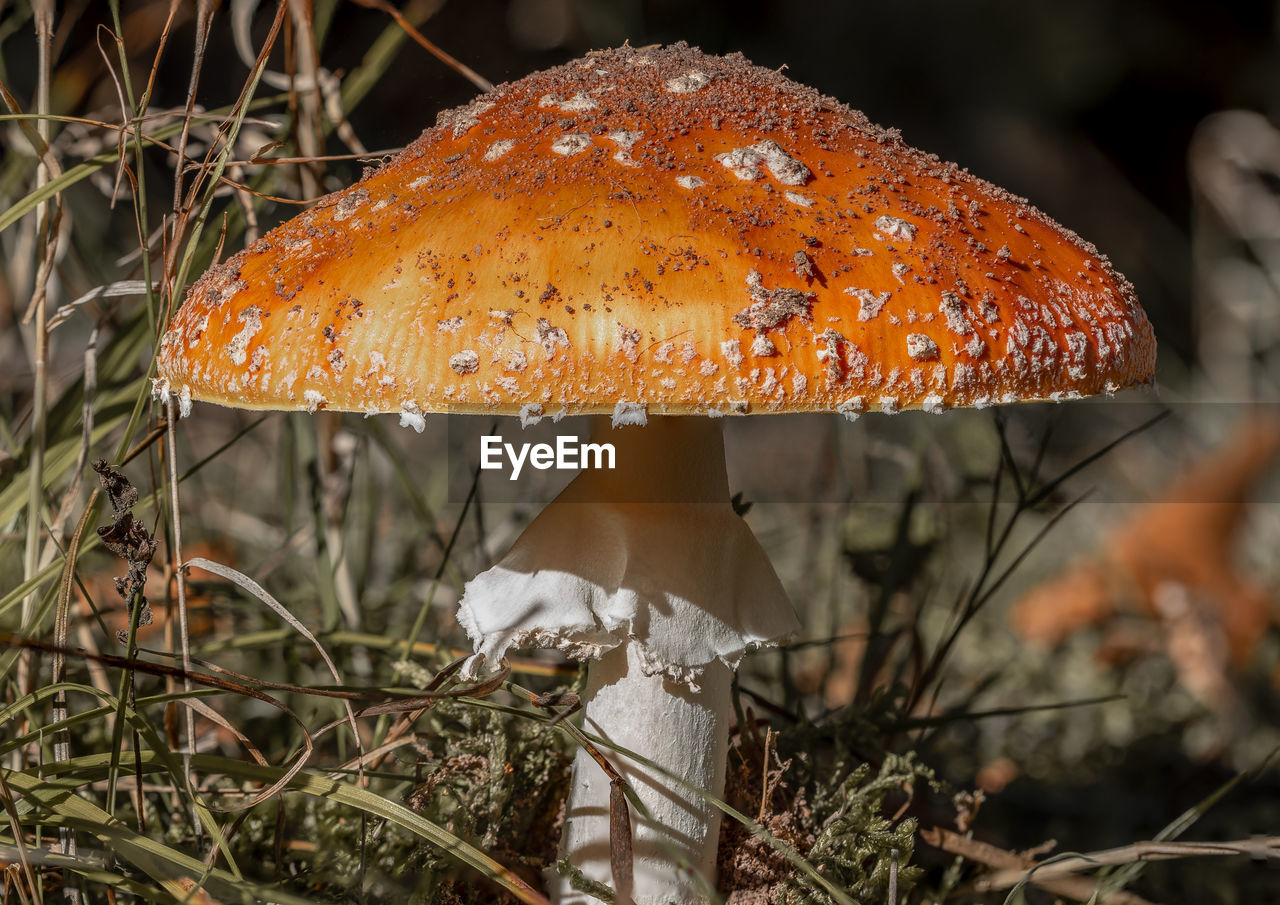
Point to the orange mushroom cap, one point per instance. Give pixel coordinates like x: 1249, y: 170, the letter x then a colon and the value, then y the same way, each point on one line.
x: 667, y: 229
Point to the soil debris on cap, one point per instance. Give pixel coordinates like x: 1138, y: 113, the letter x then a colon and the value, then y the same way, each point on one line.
x: 771, y: 307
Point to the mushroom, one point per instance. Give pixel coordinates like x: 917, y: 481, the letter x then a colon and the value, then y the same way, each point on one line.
x: 640, y: 234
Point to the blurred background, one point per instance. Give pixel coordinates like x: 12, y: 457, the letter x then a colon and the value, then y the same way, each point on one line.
x: 1147, y: 126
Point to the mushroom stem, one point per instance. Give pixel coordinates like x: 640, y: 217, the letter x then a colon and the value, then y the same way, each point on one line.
x: 686, y: 733
x: 646, y: 568
x: 676, y: 467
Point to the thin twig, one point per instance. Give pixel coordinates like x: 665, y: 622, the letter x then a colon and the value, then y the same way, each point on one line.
x: 465, y: 71
x: 1266, y: 848
x: 1077, y: 888
x: 62, y: 741
x: 204, y: 16
x: 48, y: 228
x: 175, y: 559
x: 973, y: 598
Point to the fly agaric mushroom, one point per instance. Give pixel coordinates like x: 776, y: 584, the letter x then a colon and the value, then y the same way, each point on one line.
x: 655, y: 232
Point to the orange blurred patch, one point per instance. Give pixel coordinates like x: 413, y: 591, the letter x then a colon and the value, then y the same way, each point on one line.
x: 1185, y: 541
x: 993, y: 777
x: 203, y: 618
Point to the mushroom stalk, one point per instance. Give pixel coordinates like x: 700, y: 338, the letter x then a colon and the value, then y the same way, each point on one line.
x: 685, y: 731
x: 647, y: 569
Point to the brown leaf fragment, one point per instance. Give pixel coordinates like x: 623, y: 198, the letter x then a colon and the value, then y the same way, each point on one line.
x: 121, y: 494
x: 129, y: 539
x: 621, y: 856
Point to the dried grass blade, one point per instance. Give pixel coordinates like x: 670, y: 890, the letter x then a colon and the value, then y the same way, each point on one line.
x: 621, y: 855
x: 382, y: 52
x: 1076, y: 888
x: 280, y: 610
x: 423, y: 701
x: 119, y: 289
x: 239, y: 111
x: 165, y: 865
x: 19, y: 838
x: 132, y: 664
x: 204, y: 18
x: 255, y: 589
x: 184, y: 634
x: 1069, y: 864
x: 213, y: 716
x: 71, y: 176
